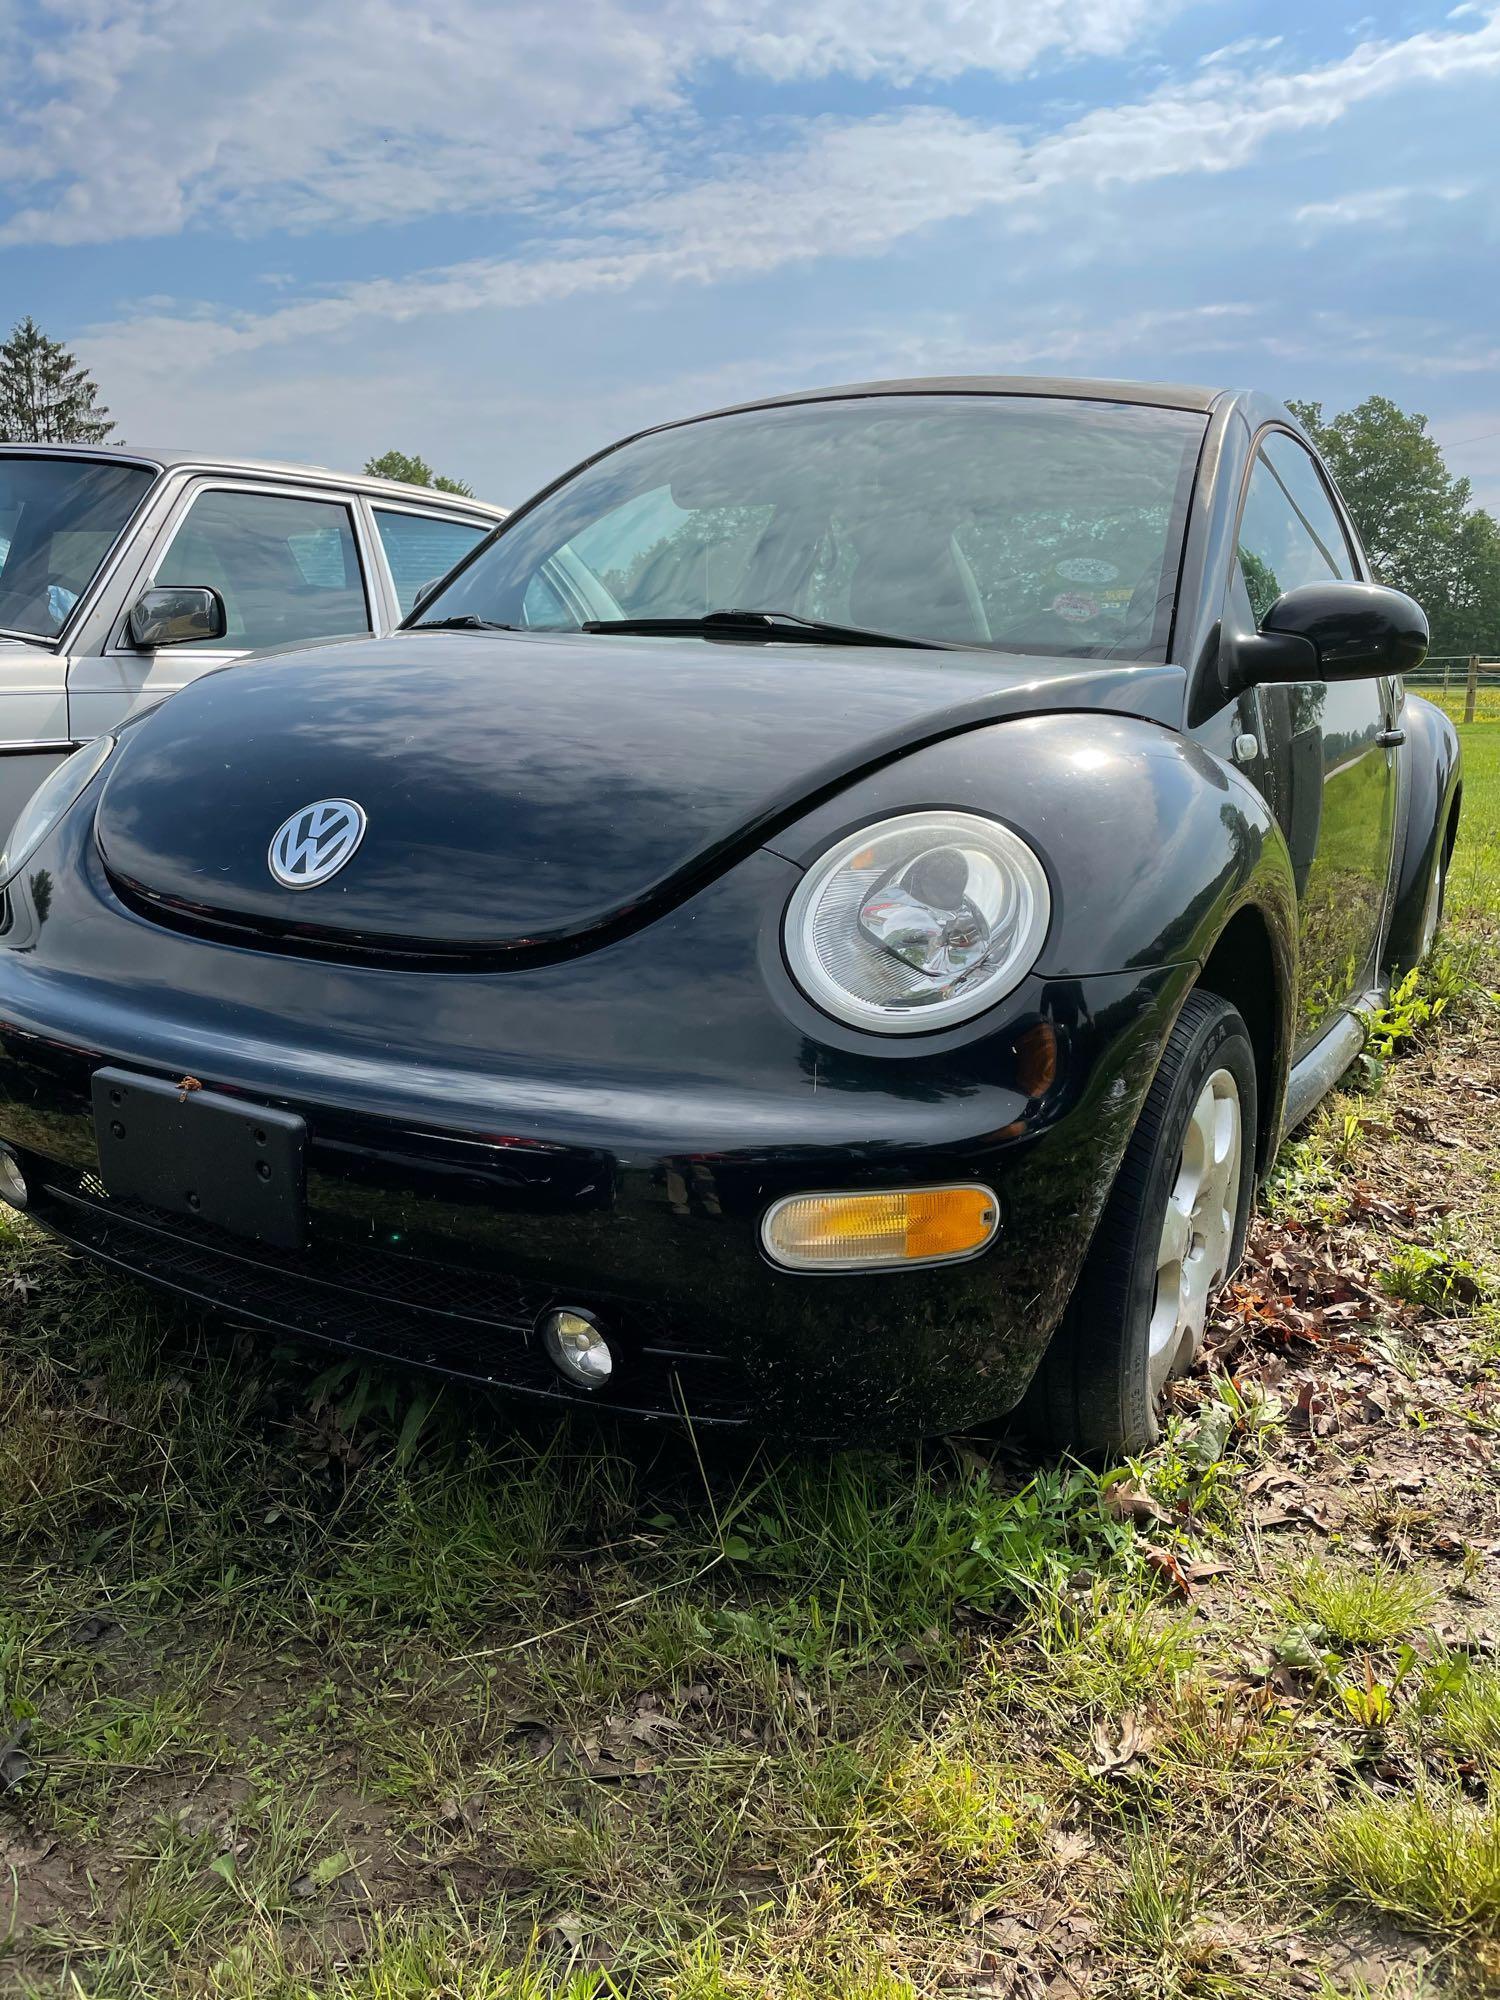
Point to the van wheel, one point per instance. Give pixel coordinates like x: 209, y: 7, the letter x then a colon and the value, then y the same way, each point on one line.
x: 1172, y: 1232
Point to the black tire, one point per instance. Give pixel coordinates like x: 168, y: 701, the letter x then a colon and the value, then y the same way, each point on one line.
x: 1092, y: 1393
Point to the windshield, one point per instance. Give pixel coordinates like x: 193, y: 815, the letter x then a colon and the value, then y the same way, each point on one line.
x: 1032, y: 524
x: 59, y: 519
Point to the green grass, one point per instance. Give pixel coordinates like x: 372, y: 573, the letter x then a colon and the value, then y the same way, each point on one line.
x: 1433, y: 1865
x: 334, y: 1691
x: 1358, y: 1604
x: 1438, y: 1278
x: 1474, y: 878
x: 1453, y: 700
x: 1466, y: 1719
x: 1165, y: 1933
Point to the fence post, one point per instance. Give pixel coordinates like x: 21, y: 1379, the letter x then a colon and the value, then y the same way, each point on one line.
x: 1471, y: 692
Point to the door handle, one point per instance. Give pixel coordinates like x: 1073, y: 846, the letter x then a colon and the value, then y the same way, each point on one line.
x: 1389, y: 738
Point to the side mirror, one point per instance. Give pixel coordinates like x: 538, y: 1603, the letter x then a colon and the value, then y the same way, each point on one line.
x: 175, y: 614
x: 1330, y: 632
x: 424, y: 591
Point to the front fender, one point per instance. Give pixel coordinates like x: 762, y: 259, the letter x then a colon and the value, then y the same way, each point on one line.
x: 1151, y: 845
x: 1434, y: 771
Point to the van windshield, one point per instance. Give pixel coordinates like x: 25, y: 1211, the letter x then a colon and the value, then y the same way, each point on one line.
x: 1032, y: 524
x: 59, y: 519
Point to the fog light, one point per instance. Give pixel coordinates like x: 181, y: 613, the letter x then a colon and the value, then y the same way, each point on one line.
x: 860, y: 1232
x: 575, y: 1347
x: 13, y: 1186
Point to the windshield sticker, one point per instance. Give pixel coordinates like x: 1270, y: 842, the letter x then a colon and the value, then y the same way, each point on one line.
x: 1087, y: 569
x: 1075, y: 606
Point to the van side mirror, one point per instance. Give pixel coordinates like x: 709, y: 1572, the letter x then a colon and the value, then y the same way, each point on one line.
x: 424, y: 592
x: 1329, y: 632
x: 174, y: 614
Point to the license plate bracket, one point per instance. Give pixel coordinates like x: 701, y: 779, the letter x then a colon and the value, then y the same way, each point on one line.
x: 202, y: 1154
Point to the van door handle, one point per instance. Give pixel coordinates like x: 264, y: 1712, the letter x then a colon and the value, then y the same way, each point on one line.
x: 1389, y: 738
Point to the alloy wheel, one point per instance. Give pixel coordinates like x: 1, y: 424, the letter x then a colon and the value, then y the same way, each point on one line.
x: 1197, y: 1232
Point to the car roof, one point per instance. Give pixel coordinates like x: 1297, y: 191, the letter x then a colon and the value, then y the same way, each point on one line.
x: 177, y: 460
x: 1161, y: 395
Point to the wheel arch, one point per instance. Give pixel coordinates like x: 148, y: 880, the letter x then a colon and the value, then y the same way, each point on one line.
x: 1248, y: 965
x: 1434, y: 772
x: 1455, y: 813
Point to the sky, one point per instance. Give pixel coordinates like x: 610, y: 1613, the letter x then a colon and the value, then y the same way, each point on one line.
x: 500, y: 233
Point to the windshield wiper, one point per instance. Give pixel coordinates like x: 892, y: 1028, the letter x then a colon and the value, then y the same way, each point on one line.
x: 464, y: 622
x: 26, y: 638
x: 755, y: 625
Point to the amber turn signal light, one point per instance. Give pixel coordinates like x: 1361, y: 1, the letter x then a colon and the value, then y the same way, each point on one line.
x: 869, y: 1232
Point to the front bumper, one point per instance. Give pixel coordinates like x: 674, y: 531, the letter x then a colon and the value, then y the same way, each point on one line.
x: 456, y: 1192
x: 433, y: 1248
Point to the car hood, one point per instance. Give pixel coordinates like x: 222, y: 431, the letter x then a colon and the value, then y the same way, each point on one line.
x: 529, y: 794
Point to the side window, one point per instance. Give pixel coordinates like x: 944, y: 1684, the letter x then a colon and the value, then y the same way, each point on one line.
x: 1289, y: 532
x: 422, y: 547
x: 287, y: 569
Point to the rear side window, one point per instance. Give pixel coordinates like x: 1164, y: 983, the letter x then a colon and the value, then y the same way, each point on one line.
x: 287, y: 568
x: 1290, y: 533
x: 420, y: 548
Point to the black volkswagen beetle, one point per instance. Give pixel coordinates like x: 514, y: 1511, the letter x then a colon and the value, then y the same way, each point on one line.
x: 816, y: 923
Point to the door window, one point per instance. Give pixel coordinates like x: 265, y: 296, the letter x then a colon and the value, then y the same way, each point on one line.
x: 1330, y: 780
x: 1289, y: 531
x: 59, y: 518
x: 286, y: 568
x: 420, y: 548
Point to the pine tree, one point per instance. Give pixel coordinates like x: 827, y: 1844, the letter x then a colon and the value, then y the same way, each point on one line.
x: 45, y: 396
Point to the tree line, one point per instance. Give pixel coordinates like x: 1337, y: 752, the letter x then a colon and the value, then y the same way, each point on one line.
x: 1420, y: 525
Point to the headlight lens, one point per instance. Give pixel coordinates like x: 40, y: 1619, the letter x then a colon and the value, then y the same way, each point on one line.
x: 47, y: 804
x: 918, y: 922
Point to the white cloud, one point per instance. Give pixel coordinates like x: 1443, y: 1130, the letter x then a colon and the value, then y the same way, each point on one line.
x: 1223, y: 119
x: 842, y: 188
x: 1247, y: 45
x: 904, y: 39
x: 147, y: 117
x: 1364, y: 207
x: 494, y: 414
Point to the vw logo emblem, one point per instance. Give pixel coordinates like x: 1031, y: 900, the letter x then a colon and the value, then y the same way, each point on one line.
x: 316, y: 842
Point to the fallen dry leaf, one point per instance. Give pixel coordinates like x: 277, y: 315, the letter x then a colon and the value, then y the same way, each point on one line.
x: 1069, y: 1846
x: 1169, y: 1568
x: 1128, y: 1752
x: 1128, y: 1500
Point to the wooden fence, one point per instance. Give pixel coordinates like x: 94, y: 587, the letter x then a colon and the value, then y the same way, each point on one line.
x: 1457, y: 675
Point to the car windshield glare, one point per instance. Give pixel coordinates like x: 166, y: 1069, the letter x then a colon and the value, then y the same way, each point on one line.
x: 59, y: 519
x: 1032, y: 524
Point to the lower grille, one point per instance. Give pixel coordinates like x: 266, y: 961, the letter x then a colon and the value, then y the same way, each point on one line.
x: 462, y: 1321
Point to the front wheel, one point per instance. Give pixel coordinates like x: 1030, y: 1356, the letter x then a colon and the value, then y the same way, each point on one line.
x: 1172, y: 1231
